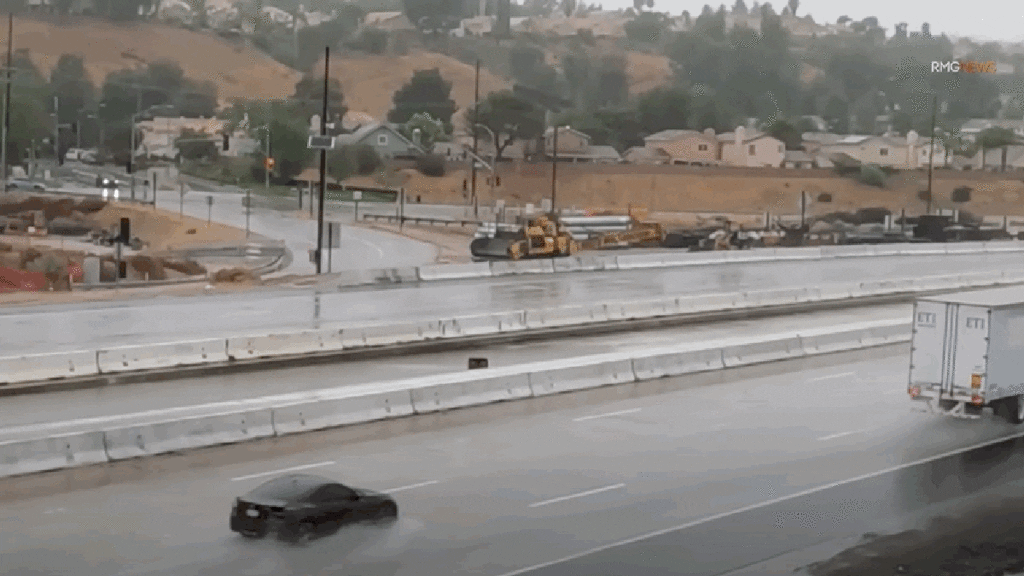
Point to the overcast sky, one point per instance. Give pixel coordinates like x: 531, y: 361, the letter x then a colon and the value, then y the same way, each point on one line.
x: 1001, y: 20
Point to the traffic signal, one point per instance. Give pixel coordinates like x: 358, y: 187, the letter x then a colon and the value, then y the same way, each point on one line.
x: 269, y: 163
x: 226, y: 142
x: 126, y: 231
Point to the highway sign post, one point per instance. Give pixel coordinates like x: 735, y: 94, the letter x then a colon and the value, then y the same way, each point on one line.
x: 357, y: 195
x: 209, y: 210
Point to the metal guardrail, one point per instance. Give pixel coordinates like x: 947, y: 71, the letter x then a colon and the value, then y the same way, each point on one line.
x: 421, y: 220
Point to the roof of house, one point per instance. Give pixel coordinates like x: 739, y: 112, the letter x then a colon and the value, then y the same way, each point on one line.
x: 645, y: 152
x: 747, y: 137
x: 797, y: 156
x: 565, y: 129
x: 673, y: 135
x: 364, y: 131
x: 379, y: 17
x: 979, y: 124
x: 823, y: 138
x: 994, y: 157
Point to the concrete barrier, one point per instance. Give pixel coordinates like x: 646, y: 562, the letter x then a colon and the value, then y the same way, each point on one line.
x: 584, y: 264
x: 776, y: 297
x: 832, y: 342
x: 797, y: 253
x: 581, y: 375
x: 152, y: 356
x: 508, y: 268
x: 708, y: 302
x: 640, y: 261
x: 134, y: 441
x: 304, y: 342
x: 920, y: 249
x: 565, y: 316
x: 53, y: 453
x: 455, y: 271
x: 676, y: 363
x: 483, y: 324
x: 328, y: 413
x: 378, y: 276
x: 448, y: 391
x: 835, y: 292
x: 388, y: 334
x: 882, y: 335
x: 757, y: 352
x: 1003, y: 246
x: 35, y: 367
x: 653, y: 308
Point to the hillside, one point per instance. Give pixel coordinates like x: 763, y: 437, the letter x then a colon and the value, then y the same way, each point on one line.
x: 368, y: 82
x: 238, y: 71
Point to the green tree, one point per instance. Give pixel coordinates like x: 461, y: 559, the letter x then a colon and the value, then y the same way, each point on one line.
x: 29, y: 108
x: 434, y: 15
x: 309, y: 94
x: 70, y: 83
x: 663, y: 108
x: 425, y: 128
x: 787, y: 133
x: 648, y: 27
x: 509, y: 118
x: 740, y: 7
x: 793, y: 5
x: 427, y: 92
x: 871, y: 175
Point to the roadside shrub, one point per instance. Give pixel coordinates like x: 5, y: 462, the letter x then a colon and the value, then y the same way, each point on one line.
x: 824, y: 198
x: 431, y: 165
x: 961, y: 194
x: 924, y: 196
x: 871, y: 175
x: 366, y: 159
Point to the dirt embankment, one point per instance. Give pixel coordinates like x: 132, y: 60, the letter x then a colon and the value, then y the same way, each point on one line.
x: 677, y: 189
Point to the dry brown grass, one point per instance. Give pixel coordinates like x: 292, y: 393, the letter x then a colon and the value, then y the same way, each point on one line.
x: 165, y: 230
x: 238, y: 71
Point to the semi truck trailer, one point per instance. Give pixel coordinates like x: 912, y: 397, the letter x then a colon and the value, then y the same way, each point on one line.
x: 967, y: 353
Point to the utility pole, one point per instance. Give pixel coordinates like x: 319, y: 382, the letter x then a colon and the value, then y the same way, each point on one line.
x: 266, y: 163
x: 131, y: 153
x: 554, y: 164
x: 56, y: 129
x: 476, y: 119
x: 931, y: 153
x: 7, y: 99
x: 323, y: 167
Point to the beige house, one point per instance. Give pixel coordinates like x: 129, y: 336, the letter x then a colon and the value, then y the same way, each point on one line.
x: 160, y: 134
x: 993, y: 159
x: 684, y: 146
x: 891, y: 151
x: 645, y: 155
x: 751, y: 148
x: 575, y: 146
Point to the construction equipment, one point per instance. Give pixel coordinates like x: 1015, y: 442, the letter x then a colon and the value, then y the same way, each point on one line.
x: 639, y: 233
x: 537, y: 237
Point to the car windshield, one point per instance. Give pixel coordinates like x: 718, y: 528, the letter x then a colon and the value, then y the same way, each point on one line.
x: 287, y: 487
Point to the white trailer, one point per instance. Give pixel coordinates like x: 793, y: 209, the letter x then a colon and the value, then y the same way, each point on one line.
x: 968, y: 353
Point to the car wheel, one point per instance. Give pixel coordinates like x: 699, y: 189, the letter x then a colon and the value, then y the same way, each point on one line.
x: 1015, y: 409
x: 388, y: 511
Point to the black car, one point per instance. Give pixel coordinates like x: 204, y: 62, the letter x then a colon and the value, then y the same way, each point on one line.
x: 298, y: 505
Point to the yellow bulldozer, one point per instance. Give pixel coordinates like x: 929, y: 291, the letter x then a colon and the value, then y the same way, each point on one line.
x: 537, y: 237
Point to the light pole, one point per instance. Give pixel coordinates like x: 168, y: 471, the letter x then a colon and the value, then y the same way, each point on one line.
x: 494, y: 156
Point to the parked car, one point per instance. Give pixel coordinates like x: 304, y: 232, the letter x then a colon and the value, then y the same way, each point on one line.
x: 22, y: 184
x: 298, y: 505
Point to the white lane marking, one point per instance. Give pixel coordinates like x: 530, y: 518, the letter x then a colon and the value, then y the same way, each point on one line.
x: 53, y: 511
x: 292, y: 469
x: 577, y: 495
x: 630, y: 411
x: 764, y: 504
x: 357, y: 238
x: 841, y: 434
x: 411, y: 486
x: 833, y: 376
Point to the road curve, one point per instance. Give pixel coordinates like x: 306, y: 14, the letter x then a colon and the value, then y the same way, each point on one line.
x: 699, y: 475
x: 66, y: 327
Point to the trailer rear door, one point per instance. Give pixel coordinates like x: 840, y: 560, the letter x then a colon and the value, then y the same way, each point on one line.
x: 971, y: 346
x: 929, y: 350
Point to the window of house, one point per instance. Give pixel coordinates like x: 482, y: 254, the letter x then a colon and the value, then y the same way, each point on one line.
x: 382, y: 140
x: 781, y: 148
x: 750, y: 150
x: 883, y: 151
x: 702, y: 147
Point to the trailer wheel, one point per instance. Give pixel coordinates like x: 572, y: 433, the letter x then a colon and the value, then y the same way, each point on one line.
x: 1015, y: 409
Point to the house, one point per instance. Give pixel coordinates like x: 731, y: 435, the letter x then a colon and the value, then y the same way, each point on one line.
x: 160, y: 134
x: 645, y: 155
x: 684, y: 146
x: 388, y: 21
x: 924, y: 154
x: 384, y: 138
x: 890, y: 151
x: 797, y: 159
x: 993, y: 159
x: 476, y: 26
x: 751, y: 148
x: 575, y: 146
